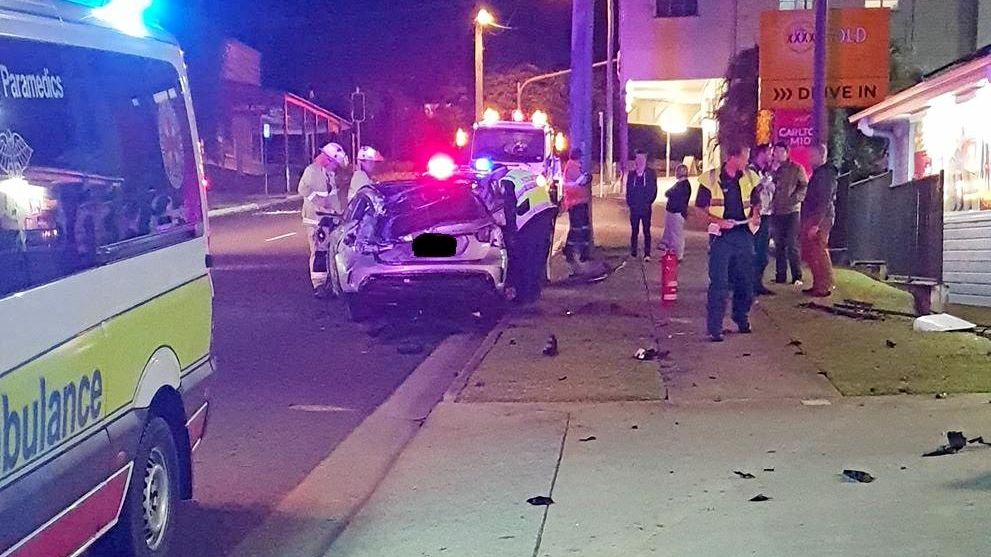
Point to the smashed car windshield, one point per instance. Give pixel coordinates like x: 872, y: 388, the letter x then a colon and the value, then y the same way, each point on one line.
x: 422, y: 207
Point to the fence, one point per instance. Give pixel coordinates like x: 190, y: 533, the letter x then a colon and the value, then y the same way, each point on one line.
x: 901, y: 224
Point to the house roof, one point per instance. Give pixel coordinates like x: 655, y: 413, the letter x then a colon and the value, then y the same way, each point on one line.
x: 959, y: 77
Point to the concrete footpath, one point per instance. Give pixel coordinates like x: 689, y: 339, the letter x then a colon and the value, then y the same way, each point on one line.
x: 223, y: 205
x: 664, y: 457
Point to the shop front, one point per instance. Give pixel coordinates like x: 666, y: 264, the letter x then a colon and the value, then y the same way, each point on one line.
x: 942, y: 126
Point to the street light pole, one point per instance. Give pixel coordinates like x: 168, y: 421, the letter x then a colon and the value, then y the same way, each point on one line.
x: 667, y: 158
x: 482, y: 20
x: 521, y: 85
x: 479, y: 53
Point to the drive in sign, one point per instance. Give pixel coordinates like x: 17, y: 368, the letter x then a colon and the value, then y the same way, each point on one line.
x: 857, y: 72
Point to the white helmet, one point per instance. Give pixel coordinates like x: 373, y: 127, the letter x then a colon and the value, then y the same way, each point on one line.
x: 368, y: 153
x: 336, y: 153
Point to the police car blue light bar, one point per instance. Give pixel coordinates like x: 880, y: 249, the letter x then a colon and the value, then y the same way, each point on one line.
x: 484, y: 165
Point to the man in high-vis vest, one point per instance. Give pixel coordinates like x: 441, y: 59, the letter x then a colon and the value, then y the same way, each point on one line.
x: 322, y: 209
x: 728, y: 201
x: 529, y: 214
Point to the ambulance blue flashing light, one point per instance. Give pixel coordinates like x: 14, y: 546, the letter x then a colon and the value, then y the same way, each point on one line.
x: 484, y: 165
x: 127, y: 16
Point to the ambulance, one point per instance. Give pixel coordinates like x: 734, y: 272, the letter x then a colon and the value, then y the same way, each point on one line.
x: 105, y: 293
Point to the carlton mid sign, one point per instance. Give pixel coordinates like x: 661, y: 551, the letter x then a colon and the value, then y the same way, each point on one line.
x: 857, y: 57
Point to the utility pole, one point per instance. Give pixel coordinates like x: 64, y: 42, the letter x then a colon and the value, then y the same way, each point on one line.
x: 819, y: 121
x: 479, y: 64
x: 608, y: 170
x: 582, y: 19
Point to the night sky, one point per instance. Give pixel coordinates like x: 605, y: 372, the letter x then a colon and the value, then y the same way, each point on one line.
x: 415, y: 46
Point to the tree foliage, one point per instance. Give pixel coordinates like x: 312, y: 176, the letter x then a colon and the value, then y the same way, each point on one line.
x: 737, y: 112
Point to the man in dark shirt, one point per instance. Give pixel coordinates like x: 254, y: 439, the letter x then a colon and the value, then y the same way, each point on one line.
x: 790, y: 186
x: 641, y: 192
x: 676, y: 213
x: 818, y: 214
x: 729, y: 202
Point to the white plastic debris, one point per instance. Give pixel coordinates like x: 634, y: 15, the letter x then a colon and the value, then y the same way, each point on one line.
x: 942, y: 323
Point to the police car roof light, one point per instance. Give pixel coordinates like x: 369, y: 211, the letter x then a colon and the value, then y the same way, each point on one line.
x: 441, y: 167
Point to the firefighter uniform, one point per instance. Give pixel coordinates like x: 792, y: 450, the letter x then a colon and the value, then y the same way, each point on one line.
x: 318, y: 187
x: 529, y: 214
x: 731, y: 252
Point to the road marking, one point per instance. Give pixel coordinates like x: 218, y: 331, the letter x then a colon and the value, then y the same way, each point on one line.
x: 282, y: 237
x: 319, y: 408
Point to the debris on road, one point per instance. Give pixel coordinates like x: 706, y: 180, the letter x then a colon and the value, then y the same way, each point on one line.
x: 410, y: 348
x: 550, y: 349
x: 941, y: 323
x: 795, y: 342
x: 858, y: 476
x: 769, y: 469
x: 759, y: 498
x: 635, y: 427
x: 540, y: 501
x: 941, y: 396
x: 646, y: 354
x: 956, y: 441
x: 563, y: 378
x: 744, y: 475
x: 890, y: 343
x: 862, y: 311
x: 587, y: 439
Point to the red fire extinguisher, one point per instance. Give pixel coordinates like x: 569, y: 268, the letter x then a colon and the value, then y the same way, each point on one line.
x: 669, y: 277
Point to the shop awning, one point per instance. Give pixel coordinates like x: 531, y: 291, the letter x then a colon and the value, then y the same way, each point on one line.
x: 958, y: 80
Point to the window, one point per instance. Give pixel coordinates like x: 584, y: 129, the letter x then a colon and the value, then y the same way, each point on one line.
x: 795, y: 4
x: 677, y: 8
x: 96, y: 161
x: 893, y: 4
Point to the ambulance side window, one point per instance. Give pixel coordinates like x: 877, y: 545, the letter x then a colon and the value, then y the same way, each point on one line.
x: 96, y: 161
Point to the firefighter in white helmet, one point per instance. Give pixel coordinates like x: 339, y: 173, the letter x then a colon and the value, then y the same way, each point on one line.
x: 322, y: 208
x: 529, y: 230
x: 367, y: 157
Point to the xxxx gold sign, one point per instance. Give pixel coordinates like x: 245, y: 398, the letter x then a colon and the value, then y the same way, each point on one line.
x: 857, y: 71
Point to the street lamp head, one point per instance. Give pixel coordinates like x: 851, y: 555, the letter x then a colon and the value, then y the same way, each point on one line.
x: 672, y: 122
x: 484, y: 18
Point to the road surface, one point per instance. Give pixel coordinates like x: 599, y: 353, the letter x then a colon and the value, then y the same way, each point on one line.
x: 294, y: 378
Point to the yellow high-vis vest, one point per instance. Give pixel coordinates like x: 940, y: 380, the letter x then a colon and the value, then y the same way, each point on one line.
x: 532, y: 198
x: 748, y: 183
